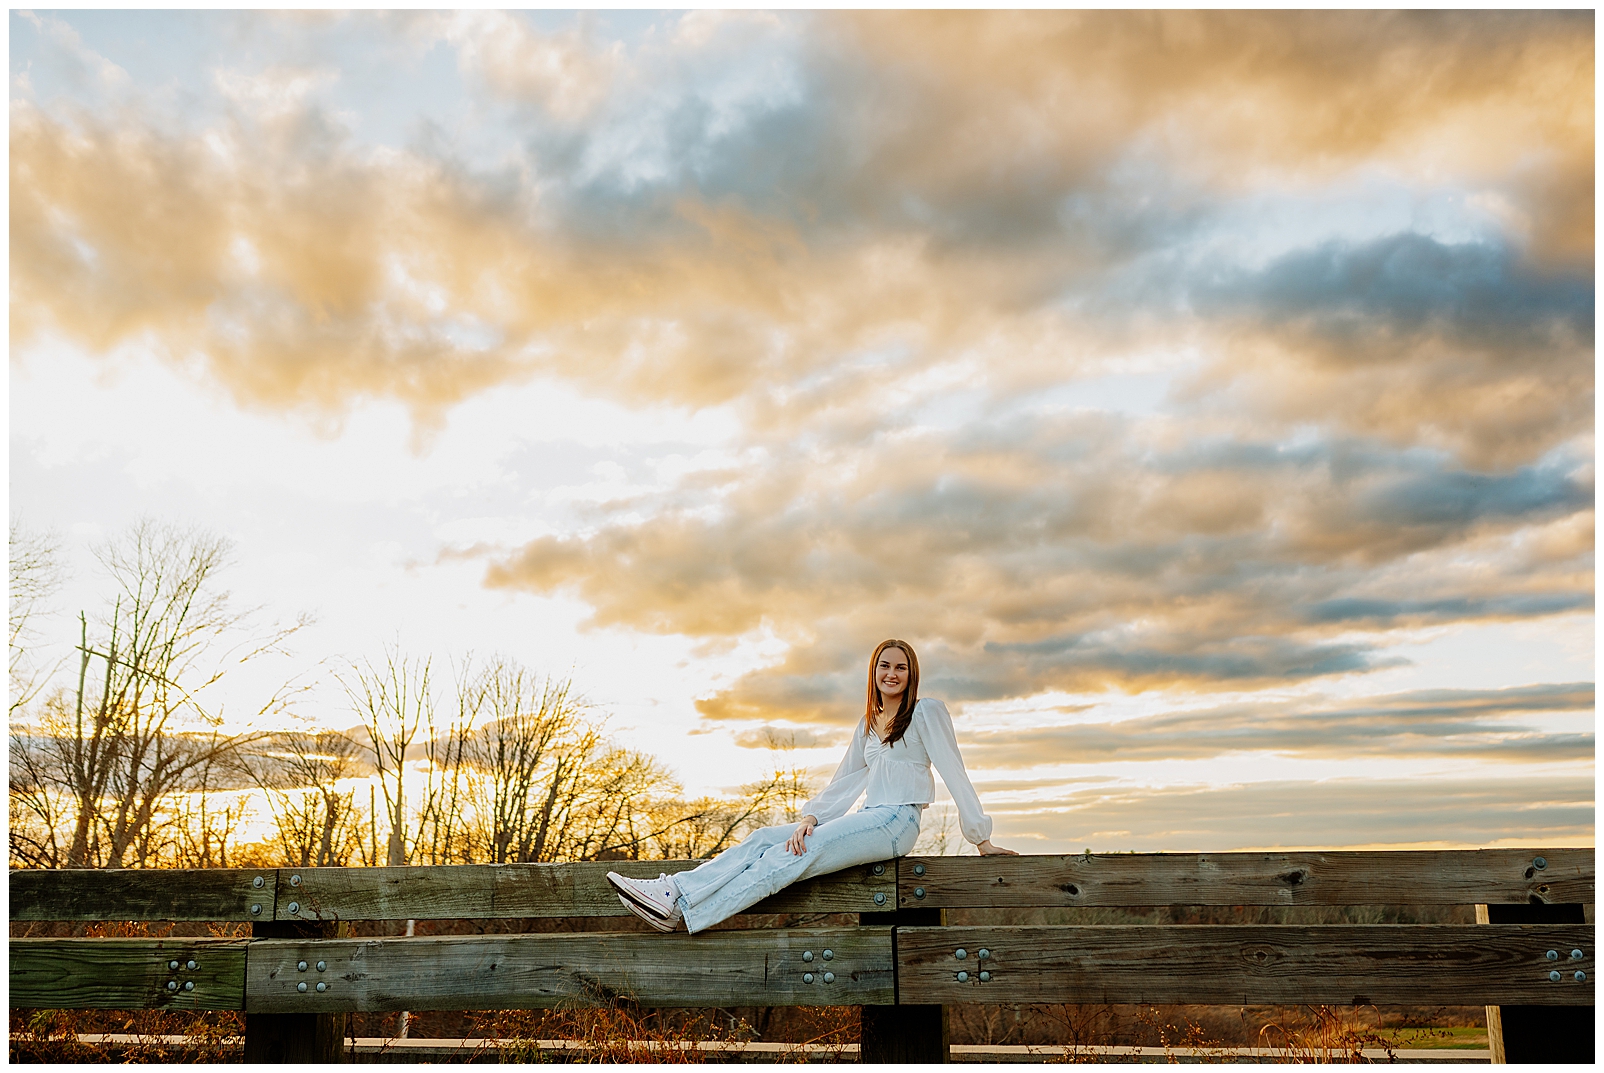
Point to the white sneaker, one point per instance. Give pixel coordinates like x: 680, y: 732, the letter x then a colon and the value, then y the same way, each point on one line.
x: 656, y: 896
x: 647, y: 915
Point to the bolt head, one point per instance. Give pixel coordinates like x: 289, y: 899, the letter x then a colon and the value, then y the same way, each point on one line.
x: 807, y: 955
x: 960, y: 953
x: 300, y: 966
x: 322, y: 965
x: 172, y: 985
x: 1553, y: 955
x: 190, y: 965
x: 257, y: 882
x: 918, y: 869
x: 829, y: 977
x: 1576, y: 955
x: 879, y: 869
x: 984, y: 953
x: 301, y: 987
x: 829, y: 955
x: 918, y: 892
x: 295, y: 907
x: 321, y: 986
x: 1581, y: 977
x: 172, y: 964
x: 963, y: 977
x: 1554, y: 976
x: 1539, y: 863
x: 807, y: 977
x: 256, y: 910
x: 295, y: 881
x: 189, y: 985
x: 985, y: 976
x: 879, y: 897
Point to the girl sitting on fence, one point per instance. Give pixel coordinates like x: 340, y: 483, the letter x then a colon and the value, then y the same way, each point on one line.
x: 889, y: 756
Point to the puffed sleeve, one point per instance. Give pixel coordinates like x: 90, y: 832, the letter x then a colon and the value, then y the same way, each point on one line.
x: 848, y: 782
x: 941, y: 742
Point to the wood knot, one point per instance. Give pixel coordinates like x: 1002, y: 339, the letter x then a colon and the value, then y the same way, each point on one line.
x: 1069, y: 889
x: 1293, y: 879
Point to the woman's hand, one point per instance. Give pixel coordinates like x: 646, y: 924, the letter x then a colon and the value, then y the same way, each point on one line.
x: 795, y: 843
x: 989, y: 850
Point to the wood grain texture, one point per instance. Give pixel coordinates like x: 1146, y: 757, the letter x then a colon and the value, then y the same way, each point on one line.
x: 1314, y: 877
x: 533, y: 890
x: 1380, y: 964
x: 128, y: 974
x: 141, y: 894
x: 719, y: 968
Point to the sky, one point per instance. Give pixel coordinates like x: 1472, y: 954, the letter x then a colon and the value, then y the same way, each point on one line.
x: 1207, y: 397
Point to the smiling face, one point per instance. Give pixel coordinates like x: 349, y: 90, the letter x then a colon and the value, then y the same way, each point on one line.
x: 891, y: 676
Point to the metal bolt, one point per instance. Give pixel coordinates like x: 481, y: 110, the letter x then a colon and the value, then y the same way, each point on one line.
x: 1553, y: 955
x: 172, y: 985
x: 295, y: 881
x: 1581, y: 976
x: 879, y: 869
x: 918, y: 869
x: 807, y: 977
x: 301, y: 986
x: 322, y: 965
x: 190, y: 965
x: 300, y: 966
x: 321, y: 986
x: 1539, y: 863
x: 295, y: 907
x: 829, y: 977
x: 807, y: 955
x: 879, y: 897
x: 189, y: 985
x: 918, y: 892
x: 960, y: 953
x: 257, y: 882
x: 1576, y: 955
x: 963, y: 977
x: 1554, y: 976
x: 829, y: 955
x: 172, y: 964
x: 984, y: 953
x: 256, y: 910
x: 985, y: 976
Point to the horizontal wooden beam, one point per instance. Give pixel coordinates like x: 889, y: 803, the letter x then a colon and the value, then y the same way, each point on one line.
x: 143, y: 894
x: 775, y: 967
x: 128, y: 974
x: 1308, y: 877
x: 1346, y: 964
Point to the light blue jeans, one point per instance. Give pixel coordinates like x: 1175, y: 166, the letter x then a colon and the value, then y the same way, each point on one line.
x: 747, y: 873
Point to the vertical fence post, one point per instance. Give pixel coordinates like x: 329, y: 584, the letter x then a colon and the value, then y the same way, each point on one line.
x: 904, y: 1034
x: 296, y: 1037
x: 1538, y: 1033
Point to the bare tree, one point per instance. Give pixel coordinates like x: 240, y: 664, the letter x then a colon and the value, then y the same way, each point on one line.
x: 307, y: 778
x: 104, y: 764
x: 36, y: 575
x: 394, y: 701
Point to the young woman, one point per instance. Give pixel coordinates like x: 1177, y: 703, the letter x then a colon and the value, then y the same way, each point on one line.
x: 889, y: 757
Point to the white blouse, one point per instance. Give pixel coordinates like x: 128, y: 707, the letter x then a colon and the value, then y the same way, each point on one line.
x: 899, y: 774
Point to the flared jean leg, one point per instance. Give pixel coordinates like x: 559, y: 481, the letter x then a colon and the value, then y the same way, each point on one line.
x: 766, y: 866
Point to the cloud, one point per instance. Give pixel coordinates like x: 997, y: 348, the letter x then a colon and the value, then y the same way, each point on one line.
x: 1489, y: 725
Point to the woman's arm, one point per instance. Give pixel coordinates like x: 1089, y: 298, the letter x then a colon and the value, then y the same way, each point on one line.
x: 848, y: 782
x: 941, y: 742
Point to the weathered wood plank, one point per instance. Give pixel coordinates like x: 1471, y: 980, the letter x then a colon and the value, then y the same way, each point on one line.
x: 535, y: 890
x: 718, y: 968
x: 1307, y: 877
x: 1379, y: 964
x: 128, y: 974
x: 142, y: 894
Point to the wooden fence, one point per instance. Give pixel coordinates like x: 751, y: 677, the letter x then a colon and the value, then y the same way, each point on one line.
x: 1530, y: 960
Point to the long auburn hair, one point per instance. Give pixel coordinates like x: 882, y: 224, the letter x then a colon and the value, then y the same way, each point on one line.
x: 910, y: 695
